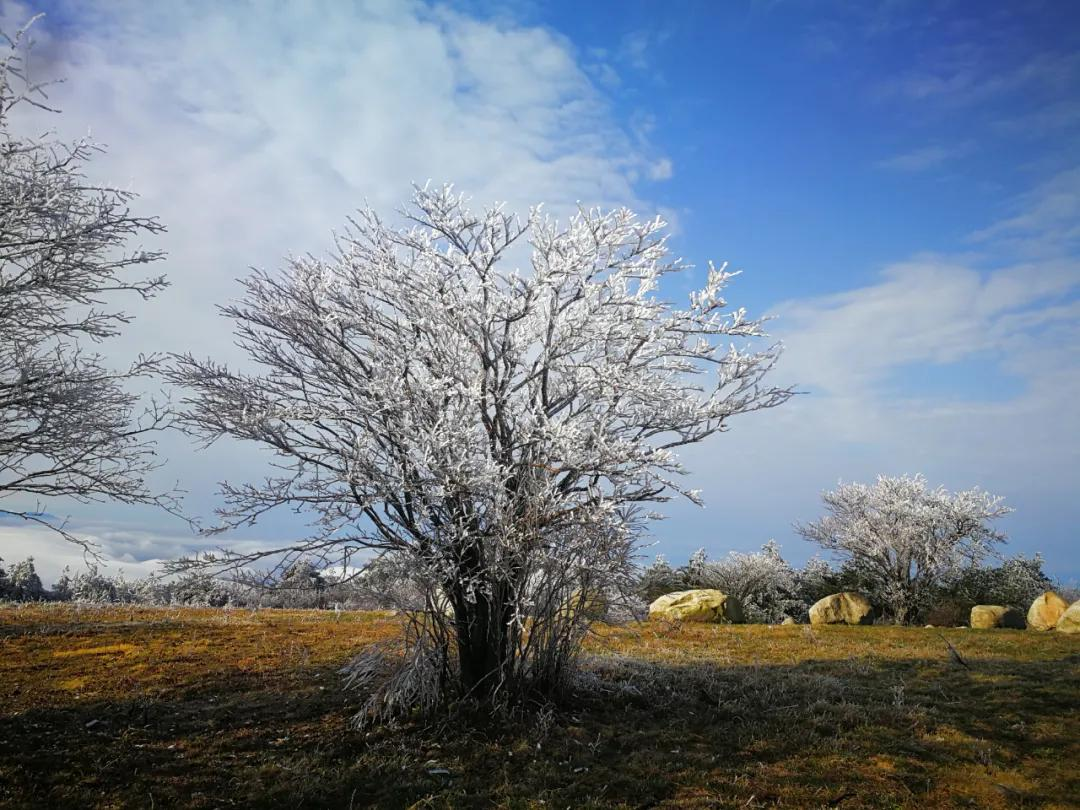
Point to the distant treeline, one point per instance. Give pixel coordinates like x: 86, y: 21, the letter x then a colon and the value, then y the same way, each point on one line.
x: 301, y: 586
x: 769, y: 588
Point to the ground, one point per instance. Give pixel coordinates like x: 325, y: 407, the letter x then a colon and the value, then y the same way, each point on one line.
x: 121, y: 707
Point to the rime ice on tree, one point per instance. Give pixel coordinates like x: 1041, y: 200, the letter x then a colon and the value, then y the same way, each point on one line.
x: 495, y: 430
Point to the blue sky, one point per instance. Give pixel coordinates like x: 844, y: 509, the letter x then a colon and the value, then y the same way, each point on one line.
x: 899, y: 180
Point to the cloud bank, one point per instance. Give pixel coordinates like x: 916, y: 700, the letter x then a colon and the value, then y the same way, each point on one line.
x: 252, y: 135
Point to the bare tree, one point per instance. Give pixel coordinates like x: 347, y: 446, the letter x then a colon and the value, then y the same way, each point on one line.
x: 69, y: 426
x: 493, y: 430
x: 905, y: 540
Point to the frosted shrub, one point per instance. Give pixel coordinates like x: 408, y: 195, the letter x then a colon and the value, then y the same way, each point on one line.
x: 498, y: 429
x: 91, y: 586
x: 1016, y: 582
x: 764, y: 583
x: 904, y: 541
x: 659, y: 578
x: 23, y: 583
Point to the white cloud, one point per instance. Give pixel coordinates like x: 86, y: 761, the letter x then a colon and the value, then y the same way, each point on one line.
x: 662, y: 169
x: 136, y: 552
x: 965, y: 367
x: 52, y: 554
x: 634, y: 49
x: 930, y: 309
x: 968, y: 73
x: 1045, y: 220
x: 637, y: 48
x: 252, y: 135
x: 926, y: 157
x: 1053, y: 119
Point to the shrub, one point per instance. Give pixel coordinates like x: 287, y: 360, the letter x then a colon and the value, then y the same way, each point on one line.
x: 658, y: 579
x: 767, y: 586
x: 23, y: 583
x: 762, y: 581
x: 903, y: 540
x: 1015, y: 583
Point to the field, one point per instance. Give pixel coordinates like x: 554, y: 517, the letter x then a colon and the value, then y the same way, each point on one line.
x: 118, y: 707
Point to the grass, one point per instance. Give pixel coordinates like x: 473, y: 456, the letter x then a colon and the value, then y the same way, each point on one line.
x: 122, y: 707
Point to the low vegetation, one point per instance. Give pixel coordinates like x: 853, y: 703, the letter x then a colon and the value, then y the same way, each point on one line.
x: 123, y: 706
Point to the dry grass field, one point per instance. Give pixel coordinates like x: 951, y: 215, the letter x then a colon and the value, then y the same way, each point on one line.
x: 155, y: 708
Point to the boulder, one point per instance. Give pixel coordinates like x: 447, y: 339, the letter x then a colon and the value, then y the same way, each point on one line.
x: 1069, y: 622
x: 986, y: 617
x: 842, y: 608
x: 788, y: 620
x: 1045, y: 611
x: 703, y: 605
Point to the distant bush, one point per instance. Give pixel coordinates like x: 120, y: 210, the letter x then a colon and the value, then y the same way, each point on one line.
x: 379, y: 585
x: 660, y: 578
x: 771, y: 589
x: 1016, y: 583
x: 22, y: 584
x: 1069, y: 592
x: 86, y: 586
x: 768, y: 587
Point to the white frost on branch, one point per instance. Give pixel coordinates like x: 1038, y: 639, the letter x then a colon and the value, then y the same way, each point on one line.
x: 904, y: 539
x: 497, y: 428
x: 70, y: 427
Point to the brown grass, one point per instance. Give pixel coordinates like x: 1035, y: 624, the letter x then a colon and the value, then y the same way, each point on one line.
x: 121, y: 707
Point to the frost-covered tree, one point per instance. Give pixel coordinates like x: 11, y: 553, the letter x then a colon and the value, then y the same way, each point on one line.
x: 495, y: 428
x: 763, y: 581
x: 903, y: 539
x: 815, y: 580
x: 195, y: 588
x: 24, y: 584
x: 659, y: 578
x: 92, y: 586
x: 384, y: 582
x: 70, y: 426
x: 299, y: 585
x: 61, y: 590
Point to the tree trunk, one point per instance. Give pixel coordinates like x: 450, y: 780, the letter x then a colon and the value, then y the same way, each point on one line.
x: 483, y: 648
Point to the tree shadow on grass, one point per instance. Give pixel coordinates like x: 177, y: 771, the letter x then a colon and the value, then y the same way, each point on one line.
x: 861, y: 732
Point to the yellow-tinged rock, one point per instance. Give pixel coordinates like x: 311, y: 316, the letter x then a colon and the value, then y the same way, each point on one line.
x: 1070, y: 619
x: 986, y: 617
x: 702, y: 605
x: 1045, y: 611
x: 842, y: 608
